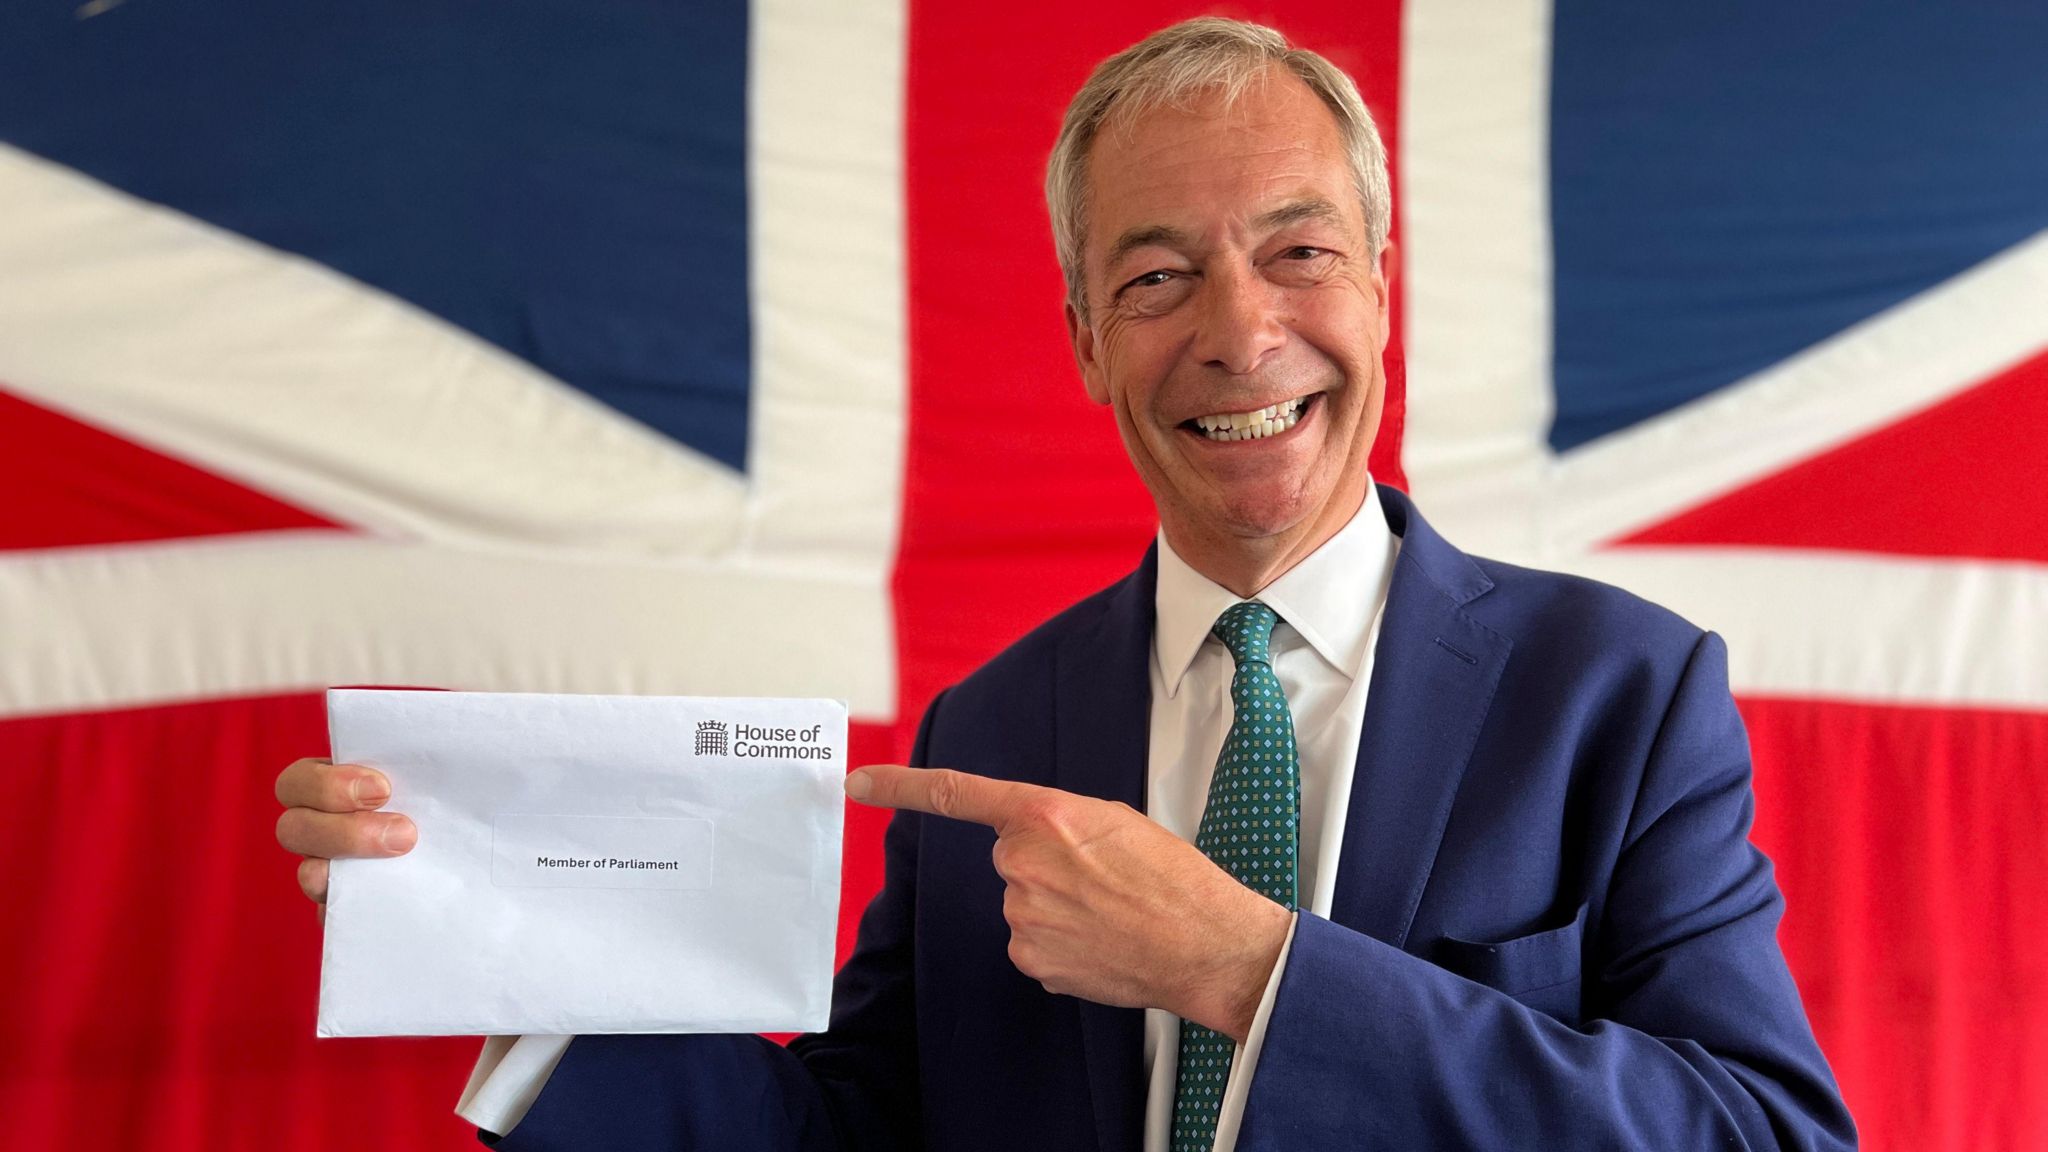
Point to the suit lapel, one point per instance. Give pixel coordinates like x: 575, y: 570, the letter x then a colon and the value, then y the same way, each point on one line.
x: 1434, y: 673
x: 1435, y: 669
x: 1101, y: 731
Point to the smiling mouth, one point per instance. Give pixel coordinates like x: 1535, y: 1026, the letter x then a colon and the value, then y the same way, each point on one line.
x: 1268, y: 421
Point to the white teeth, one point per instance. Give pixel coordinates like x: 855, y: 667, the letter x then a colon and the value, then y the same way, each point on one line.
x: 1268, y: 421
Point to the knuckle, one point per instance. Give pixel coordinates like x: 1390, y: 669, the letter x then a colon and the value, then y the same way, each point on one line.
x: 314, y: 783
x: 1051, y: 811
x: 310, y: 832
x: 1022, y: 873
x: 945, y: 791
x: 1034, y: 808
x: 1021, y: 912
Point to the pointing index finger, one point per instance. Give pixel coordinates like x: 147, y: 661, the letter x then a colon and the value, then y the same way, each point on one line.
x: 941, y: 792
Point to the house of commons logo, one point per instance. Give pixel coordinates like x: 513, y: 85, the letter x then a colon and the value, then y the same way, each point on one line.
x: 710, y: 738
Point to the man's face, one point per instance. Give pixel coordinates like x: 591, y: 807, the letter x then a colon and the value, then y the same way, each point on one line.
x: 1227, y: 274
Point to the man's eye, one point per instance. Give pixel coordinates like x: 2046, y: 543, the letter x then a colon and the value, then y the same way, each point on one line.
x: 1303, y: 252
x: 1150, y: 280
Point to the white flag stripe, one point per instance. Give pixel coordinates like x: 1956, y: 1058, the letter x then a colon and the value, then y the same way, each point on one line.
x: 1883, y: 630
x: 825, y: 183
x: 1475, y: 228
x: 306, y: 609
x: 91, y: 628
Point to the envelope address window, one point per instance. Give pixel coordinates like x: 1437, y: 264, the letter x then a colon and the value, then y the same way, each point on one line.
x: 538, y: 851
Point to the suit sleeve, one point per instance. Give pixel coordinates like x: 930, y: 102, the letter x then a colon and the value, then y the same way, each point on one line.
x: 851, y: 1088
x: 1699, y: 1042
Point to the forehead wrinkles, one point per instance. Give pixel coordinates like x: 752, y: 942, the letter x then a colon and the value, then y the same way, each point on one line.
x: 1224, y: 210
x: 1172, y: 139
x: 1154, y: 169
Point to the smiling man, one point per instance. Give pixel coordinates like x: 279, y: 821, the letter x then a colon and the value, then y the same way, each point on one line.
x: 1313, y: 832
x: 1228, y: 302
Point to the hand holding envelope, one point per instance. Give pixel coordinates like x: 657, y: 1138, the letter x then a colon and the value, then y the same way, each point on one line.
x: 589, y: 864
x: 1086, y: 878
x: 1103, y: 903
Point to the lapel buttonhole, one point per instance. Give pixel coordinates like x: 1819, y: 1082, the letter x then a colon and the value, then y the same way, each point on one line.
x: 1454, y: 650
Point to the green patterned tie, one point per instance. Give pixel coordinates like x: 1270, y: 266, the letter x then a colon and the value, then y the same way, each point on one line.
x: 1249, y: 829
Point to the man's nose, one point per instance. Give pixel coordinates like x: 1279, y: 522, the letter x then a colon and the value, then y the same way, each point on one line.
x: 1241, y: 322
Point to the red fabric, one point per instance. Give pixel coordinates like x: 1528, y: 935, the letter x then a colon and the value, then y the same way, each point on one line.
x: 72, y: 483
x: 1955, y: 480
x: 1910, y: 846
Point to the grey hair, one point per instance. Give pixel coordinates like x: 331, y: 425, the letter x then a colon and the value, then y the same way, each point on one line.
x: 1170, y: 67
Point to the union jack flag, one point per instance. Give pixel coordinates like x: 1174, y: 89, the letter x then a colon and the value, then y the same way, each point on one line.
x: 714, y: 348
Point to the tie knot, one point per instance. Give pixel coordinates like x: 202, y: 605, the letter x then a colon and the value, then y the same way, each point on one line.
x: 1246, y: 629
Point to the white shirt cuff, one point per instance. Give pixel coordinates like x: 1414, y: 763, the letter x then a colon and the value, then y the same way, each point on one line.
x: 508, y: 1077
x: 1244, y: 1064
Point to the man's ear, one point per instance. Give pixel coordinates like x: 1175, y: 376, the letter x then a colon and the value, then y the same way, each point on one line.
x: 1083, y: 338
x: 1383, y: 280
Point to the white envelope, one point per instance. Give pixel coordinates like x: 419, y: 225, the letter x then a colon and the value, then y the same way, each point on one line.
x: 589, y: 864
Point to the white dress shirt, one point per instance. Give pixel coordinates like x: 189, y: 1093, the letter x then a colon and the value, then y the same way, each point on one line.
x: 1329, y: 606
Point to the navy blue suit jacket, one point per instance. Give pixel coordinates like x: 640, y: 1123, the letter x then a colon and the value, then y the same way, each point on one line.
x: 1549, y: 928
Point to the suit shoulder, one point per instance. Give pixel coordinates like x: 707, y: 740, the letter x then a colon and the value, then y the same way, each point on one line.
x: 1617, y: 672
x: 1563, y: 613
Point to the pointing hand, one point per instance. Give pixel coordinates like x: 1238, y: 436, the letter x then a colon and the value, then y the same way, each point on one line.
x: 1102, y: 902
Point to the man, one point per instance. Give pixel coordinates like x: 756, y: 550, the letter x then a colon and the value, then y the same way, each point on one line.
x: 1434, y: 852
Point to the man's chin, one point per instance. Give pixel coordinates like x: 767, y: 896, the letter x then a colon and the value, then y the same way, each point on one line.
x: 1253, y: 519
x: 1270, y: 512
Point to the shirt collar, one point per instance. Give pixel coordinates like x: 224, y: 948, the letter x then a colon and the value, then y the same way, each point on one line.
x: 1330, y: 598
